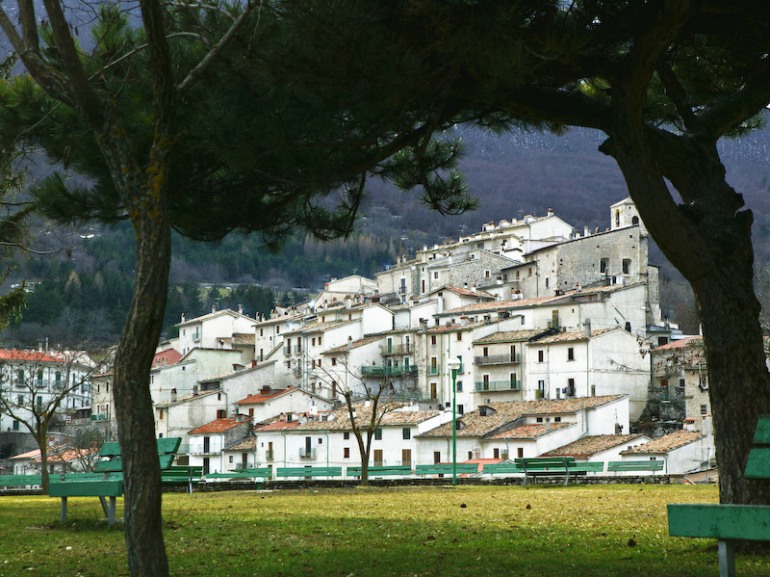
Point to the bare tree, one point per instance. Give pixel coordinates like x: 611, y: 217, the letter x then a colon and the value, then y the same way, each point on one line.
x: 37, y: 390
x: 367, y: 404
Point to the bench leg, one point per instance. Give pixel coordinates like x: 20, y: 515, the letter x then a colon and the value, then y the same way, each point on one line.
x: 109, y: 509
x: 63, y: 516
x: 726, y: 559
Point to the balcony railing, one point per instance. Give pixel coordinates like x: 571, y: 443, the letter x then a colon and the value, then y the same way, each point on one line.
x: 269, y: 456
x: 497, y: 359
x: 306, y: 454
x: 484, y: 386
x: 380, y: 371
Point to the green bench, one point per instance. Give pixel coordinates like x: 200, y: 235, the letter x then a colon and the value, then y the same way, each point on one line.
x: 381, y: 471
x: 308, y: 472
x: 257, y: 474
x: 19, y: 481
x: 182, y: 475
x: 730, y: 523
x: 541, y: 466
x: 501, y: 469
x: 442, y: 469
x: 108, y: 486
x: 646, y: 466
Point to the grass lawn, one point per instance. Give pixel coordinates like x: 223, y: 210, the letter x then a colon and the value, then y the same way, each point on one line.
x: 613, y: 530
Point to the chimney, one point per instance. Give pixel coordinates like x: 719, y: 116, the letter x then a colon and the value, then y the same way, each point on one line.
x: 265, y: 390
x: 550, y: 212
x: 213, y: 308
x: 183, y: 317
x: 240, y: 308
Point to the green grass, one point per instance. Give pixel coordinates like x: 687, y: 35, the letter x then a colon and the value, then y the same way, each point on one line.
x: 615, y: 530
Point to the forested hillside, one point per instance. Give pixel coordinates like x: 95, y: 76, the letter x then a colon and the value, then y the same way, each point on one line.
x: 81, y: 279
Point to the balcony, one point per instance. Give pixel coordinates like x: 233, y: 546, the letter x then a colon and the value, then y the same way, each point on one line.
x: 486, y: 386
x: 396, y: 350
x: 380, y: 371
x: 497, y: 360
x: 306, y: 453
x: 269, y: 457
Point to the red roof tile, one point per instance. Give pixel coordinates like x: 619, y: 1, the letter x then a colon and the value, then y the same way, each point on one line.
x: 217, y: 426
x: 28, y: 356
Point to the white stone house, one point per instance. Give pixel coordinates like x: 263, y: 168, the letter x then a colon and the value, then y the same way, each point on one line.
x: 523, y: 429
x: 583, y: 364
x: 185, y: 376
x: 216, y: 330
x: 683, y: 452
x: 31, y: 379
x: 598, y: 448
x: 208, y: 442
x: 268, y: 402
x: 331, y: 442
x: 680, y: 383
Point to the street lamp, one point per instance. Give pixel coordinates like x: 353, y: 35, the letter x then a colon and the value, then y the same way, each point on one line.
x: 454, y: 365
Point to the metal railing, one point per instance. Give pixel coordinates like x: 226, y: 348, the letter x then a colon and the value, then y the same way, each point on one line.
x: 497, y: 359
x: 483, y: 386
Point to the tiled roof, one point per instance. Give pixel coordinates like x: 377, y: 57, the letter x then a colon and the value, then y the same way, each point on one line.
x: 665, y: 444
x: 167, y: 357
x: 531, y: 431
x: 572, y: 336
x: 455, y: 327
x: 394, y: 418
x: 215, y: 314
x: 470, y: 292
x: 680, y: 344
x: 217, y: 426
x: 276, y: 425
x: 499, y: 305
x: 353, y: 345
x: 247, y: 444
x: 508, y: 337
x: 589, y: 446
x: 28, y: 356
x: 475, y: 425
x: 263, y: 397
x: 318, y: 327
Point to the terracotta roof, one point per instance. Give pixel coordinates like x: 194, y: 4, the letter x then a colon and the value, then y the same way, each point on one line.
x: 319, y: 327
x: 263, y: 397
x: 276, y: 425
x: 28, y: 356
x: 57, y: 454
x: 217, y: 426
x: 693, y: 341
x: 665, y: 444
x: 239, y: 339
x: 472, y: 293
x: 589, y: 446
x: 456, y: 327
x: 165, y: 358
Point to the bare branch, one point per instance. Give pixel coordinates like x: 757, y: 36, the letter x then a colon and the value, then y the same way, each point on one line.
x: 207, y: 60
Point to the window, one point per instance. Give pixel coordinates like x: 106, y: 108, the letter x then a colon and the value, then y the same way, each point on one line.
x: 681, y: 383
x: 485, y: 352
x: 206, y: 444
x: 15, y: 425
x: 378, y: 434
x: 160, y: 414
x: 221, y: 413
x: 406, y: 433
x: 626, y: 266
x: 40, y: 377
x: 571, y: 354
x: 704, y: 410
x: 433, y: 340
x: 435, y: 275
x: 540, y: 356
x: 617, y: 218
x: 460, y: 410
x: 459, y: 336
x: 320, y: 441
x: 604, y: 265
x: 459, y: 387
x: 546, y: 282
x: 433, y: 391
x: 20, y: 400
x: 496, y: 453
x: 334, y: 361
x: 346, y: 435
x: 230, y: 459
x: 539, y: 419
x: 251, y: 412
x: 334, y: 389
x: 346, y: 453
x: 312, y: 341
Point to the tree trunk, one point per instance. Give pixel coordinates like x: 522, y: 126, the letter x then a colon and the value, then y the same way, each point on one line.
x: 708, y: 238
x: 42, y: 442
x: 134, y: 411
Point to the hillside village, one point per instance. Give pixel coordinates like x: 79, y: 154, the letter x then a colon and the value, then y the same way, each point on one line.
x: 539, y: 339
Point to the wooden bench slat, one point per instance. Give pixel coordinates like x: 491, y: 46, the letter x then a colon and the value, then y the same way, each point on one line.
x: 758, y: 464
x: 750, y: 522
x: 383, y: 471
x: 626, y: 466
x: 309, y: 472
x: 86, y: 488
x: 762, y: 432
